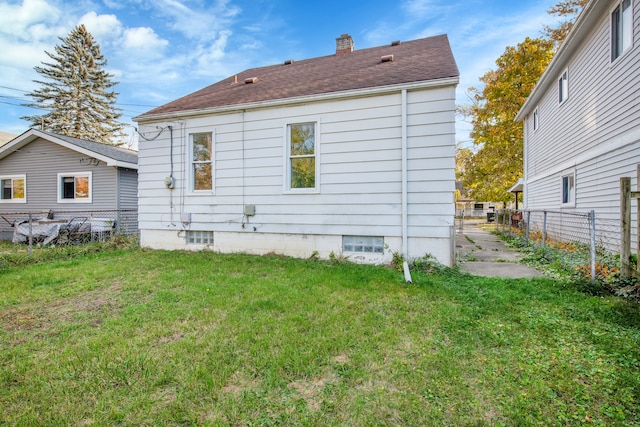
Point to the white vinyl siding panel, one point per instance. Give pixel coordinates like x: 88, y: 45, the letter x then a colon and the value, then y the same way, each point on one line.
x: 360, y: 169
x: 601, y: 105
x: 597, y: 133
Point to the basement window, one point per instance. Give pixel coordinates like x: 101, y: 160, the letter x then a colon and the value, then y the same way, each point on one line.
x: 200, y: 237
x: 367, y: 244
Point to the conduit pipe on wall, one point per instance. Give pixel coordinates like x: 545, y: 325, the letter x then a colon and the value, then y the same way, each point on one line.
x: 405, y: 227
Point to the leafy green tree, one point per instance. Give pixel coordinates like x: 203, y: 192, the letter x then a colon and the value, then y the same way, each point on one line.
x: 498, y: 162
x: 77, y: 91
x: 568, y: 9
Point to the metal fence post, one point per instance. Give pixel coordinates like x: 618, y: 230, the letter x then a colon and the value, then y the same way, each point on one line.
x: 544, y: 228
x: 592, y: 228
x: 30, y: 234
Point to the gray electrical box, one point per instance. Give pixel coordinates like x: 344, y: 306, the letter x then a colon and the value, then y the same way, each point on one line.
x: 249, y: 210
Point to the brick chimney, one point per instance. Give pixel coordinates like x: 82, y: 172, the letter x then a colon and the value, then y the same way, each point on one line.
x: 344, y: 44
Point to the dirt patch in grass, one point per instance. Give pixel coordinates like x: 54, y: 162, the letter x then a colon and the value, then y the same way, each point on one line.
x: 239, y: 382
x: 311, y: 390
x: 341, y: 359
x: 42, y: 318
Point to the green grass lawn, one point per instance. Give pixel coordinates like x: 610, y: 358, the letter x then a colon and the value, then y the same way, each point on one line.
x: 133, y: 337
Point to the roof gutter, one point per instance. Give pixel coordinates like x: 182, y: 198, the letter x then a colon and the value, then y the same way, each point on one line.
x: 589, y: 15
x: 300, y: 100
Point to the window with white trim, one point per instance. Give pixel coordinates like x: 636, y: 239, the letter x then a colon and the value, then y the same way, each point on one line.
x: 367, y: 244
x: 13, y: 189
x: 569, y: 189
x: 302, y: 168
x: 621, y: 28
x: 536, y: 122
x: 563, y: 87
x: 201, y: 161
x: 75, y: 187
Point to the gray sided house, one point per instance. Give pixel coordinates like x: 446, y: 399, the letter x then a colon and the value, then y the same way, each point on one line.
x: 42, y: 172
x: 350, y: 154
x: 582, y: 120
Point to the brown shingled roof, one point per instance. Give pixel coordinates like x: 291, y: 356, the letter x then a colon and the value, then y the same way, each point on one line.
x: 414, y: 61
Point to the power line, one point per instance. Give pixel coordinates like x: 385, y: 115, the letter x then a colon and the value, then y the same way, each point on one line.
x: 117, y: 104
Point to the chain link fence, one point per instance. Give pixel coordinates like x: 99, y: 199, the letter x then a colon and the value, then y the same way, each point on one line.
x: 66, y: 227
x: 580, y: 240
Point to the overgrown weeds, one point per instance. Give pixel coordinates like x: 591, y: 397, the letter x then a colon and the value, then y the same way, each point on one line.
x: 17, y: 255
x: 570, y: 263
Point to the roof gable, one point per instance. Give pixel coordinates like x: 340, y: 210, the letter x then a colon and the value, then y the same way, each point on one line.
x: 112, y: 156
x: 415, y: 61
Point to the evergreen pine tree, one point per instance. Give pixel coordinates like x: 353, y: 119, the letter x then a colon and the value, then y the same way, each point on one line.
x: 77, y: 91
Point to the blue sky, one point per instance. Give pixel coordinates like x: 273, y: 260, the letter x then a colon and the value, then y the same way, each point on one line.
x: 160, y: 50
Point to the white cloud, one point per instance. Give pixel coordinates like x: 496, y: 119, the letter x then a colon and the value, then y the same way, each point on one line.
x: 114, y: 4
x: 102, y: 27
x: 197, y: 23
x: 143, y: 39
x: 17, y: 19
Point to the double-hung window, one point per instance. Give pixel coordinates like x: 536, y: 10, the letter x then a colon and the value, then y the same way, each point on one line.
x: 569, y: 190
x: 301, y: 157
x: 621, y: 28
x: 202, y: 161
x: 13, y: 189
x: 74, y: 187
x: 563, y: 87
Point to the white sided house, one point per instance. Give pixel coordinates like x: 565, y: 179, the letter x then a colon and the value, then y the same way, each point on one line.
x: 582, y: 120
x: 350, y: 154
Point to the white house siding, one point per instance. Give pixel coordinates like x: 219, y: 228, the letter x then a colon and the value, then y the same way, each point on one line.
x: 595, y: 132
x: 359, y: 144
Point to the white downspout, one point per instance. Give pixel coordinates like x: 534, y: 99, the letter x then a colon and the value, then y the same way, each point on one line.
x: 405, y: 226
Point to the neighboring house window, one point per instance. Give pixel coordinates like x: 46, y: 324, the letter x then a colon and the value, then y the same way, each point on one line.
x: 74, y: 187
x: 535, y: 119
x: 568, y: 190
x: 363, y: 244
x: 202, y: 161
x: 621, y: 29
x: 301, y: 153
x: 563, y: 87
x: 13, y: 189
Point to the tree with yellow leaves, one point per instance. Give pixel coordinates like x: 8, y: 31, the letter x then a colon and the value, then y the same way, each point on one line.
x: 498, y: 163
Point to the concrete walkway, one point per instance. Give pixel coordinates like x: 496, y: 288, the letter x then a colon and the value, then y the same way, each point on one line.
x: 482, y: 253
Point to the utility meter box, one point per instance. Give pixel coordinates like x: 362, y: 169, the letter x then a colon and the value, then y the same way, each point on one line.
x: 249, y: 210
